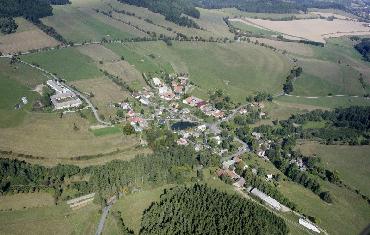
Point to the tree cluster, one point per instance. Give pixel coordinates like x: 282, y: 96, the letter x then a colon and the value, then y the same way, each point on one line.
x: 7, y: 25
x: 363, y: 48
x: 202, y: 210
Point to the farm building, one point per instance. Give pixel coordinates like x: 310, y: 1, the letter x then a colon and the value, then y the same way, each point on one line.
x: 64, y: 97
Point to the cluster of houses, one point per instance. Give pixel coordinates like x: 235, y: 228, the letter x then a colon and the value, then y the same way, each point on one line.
x: 263, y: 145
x: 205, y: 107
x: 171, y: 91
x: 194, y: 132
x: 228, y: 170
x: 64, y: 97
x: 135, y: 119
x: 24, y: 101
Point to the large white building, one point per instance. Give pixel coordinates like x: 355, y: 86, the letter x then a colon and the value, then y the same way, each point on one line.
x: 64, y: 97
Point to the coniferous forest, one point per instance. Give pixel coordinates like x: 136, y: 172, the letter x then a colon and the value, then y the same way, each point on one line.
x: 202, y: 210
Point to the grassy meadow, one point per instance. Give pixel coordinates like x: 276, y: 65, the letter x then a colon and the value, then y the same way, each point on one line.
x: 50, y: 220
x: 351, y: 162
x: 67, y: 63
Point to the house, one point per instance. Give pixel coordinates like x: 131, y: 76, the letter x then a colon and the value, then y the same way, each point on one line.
x: 24, y: 100
x: 257, y: 135
x: 144, y: 101
x: 217, y: 139
x: 182, y: 141
x: 137, y: 128
x: 192, y: 101
x: 157, y: 81
x: 136, y: 95
x: 131, y: 113
x: 226, y: 164
x: 200, y: 104
x: 202, y: 128
x: 125, y: 106
x: 243, y: 111
x: 178, y: 89
x: 269, y: 176
x: 239, y: 183
x: 162, y: 90
x: 261, y: 153
x: 168, y: 96
x: 218, y: 114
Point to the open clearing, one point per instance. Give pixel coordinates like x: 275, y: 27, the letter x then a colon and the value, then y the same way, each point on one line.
x: 98, y: 53
x: 312, y: 29
x: 66, y: 63
x: 50, y: 220
x: 351, y: 162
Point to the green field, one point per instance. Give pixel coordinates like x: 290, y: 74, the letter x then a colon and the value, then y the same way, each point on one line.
x: 50, y: 220
x: 254, y: 31
x: 67, y: 63
x: 351, y: 162
x: 107, y: 131
x: 15, y: 83
x: 77, y: 26
x: 239, y: 69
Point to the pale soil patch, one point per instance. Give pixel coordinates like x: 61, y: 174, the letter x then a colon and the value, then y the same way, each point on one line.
x: 25, y: 200
x: 47, y: 135
x: 105, y: 94
x: 98, y: 52
x: 25, y: 41
x: 39, y: 88
x: 312, y: 29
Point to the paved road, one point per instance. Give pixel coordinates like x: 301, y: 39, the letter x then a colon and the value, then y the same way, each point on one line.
x: 90, y: 105
x: 102, y: 219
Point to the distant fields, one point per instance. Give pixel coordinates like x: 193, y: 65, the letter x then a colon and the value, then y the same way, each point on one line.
x: 106, y: 131
x: 23, y: 201
x: 67, y: 63
x: 351, y: 162
x: 253, y: 30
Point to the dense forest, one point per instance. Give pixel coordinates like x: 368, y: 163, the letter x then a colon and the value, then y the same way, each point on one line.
x: 7, y: 25
x: 29, y: 9
x: 202, y: 210
x: 364, y: 48
x: 173, y: 10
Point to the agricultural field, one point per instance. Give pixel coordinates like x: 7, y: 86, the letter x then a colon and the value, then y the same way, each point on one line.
x: 27, y: 37
x: 312, y: 29
x: 351, y: 162
x: 50, y: 220
x: 24, y: 201
x: 252, y: 30
x: 235, y: 13
x: 67, y: 63
x: 325, y: 102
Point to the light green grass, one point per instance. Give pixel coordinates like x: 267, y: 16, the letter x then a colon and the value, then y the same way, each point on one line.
x: 351, y: 162
x: 133, y: 205
x: 313, y: 125
x: 50, y: 220
x: 326, y: 102
x: 25, y: 200
x: 12, y: 89
x: 254, y: 31
x: 67, y: 63
x: 107, y: 131
x: 347, y: 207
x: 78, y: 26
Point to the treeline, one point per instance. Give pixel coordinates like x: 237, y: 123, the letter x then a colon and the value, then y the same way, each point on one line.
x: 29, y: 9
x: 173, y: 10
x: 269, y: 6
x: 288, y: 85
x: 363, y: 48
x: 202, y: 210
x: 59, y: 2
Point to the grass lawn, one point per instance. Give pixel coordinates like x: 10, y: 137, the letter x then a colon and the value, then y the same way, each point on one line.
x: 107, y: 131
x: 351, y: 162
x: 347, y: 207
x: 325, y: 102
x: 50, y: 220
x: 133, y: 205
x: 67, y: 63
x: 15, y: 82
x: 313, y: 125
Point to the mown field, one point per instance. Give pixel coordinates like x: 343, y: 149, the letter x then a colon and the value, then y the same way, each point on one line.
x: 67, y: 63
x: 50, y: 220
x: 351, y: 162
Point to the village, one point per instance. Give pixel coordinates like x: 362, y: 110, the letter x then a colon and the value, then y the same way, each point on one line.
x: 172, y: 108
